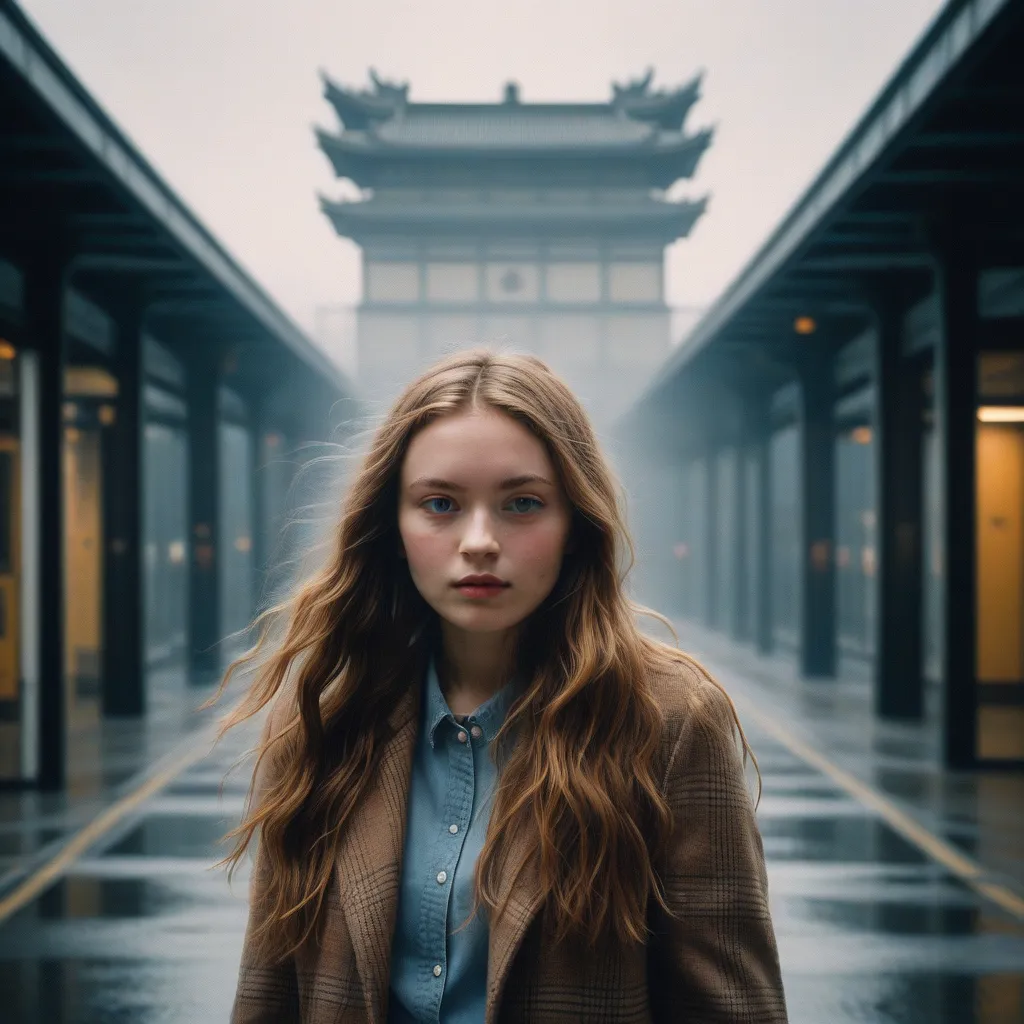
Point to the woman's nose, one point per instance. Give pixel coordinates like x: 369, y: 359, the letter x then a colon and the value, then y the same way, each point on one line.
x: 480, y: 536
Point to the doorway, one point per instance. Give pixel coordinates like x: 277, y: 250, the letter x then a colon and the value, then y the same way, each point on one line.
x: 999, y: 531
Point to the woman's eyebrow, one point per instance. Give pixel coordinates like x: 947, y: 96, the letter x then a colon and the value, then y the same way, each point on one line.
x: 506, y: 485
x: 433, y: 481
x: 522, y: 481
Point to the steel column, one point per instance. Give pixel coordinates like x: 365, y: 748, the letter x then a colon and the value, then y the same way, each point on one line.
x: 124, y: 683
x: 710, y: 538
x: 956, y: 376
x: 44, y: 308
x: 817, y: 457
x: 899, y: 683
x: 204, y: 372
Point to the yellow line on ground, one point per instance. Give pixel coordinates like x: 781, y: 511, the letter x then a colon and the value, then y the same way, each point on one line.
x: 954, y: 860
x: 39, y: 880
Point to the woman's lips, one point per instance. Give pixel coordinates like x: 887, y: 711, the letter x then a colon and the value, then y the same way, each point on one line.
x: 481, y: 586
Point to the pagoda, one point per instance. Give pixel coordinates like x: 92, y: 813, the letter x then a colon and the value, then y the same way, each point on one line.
x: 538, y: 227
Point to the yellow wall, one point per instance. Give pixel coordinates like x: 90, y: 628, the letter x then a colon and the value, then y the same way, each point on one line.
x: 10, y: 665
x: 1000, y: 536
x: 83, y: 536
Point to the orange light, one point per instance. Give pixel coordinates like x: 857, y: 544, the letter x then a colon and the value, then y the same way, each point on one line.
x: 805, y: 325
x: 7, y: 350
x: 107, y: 415
x: 1001, y: 414
x: 861, y: 435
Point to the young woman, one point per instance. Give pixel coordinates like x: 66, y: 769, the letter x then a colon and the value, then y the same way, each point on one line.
x: 482, y: 793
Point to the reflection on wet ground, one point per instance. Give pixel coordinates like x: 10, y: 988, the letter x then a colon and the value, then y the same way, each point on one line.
x: 870, y: 930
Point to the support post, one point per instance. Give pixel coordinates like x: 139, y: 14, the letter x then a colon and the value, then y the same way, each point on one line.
x: 746, y: 567
x: 710, y: 538
x: 756, y: 453
x: 899, y: 681
x: 817, y: 456
x: 741, y: 556
x: 259, y: 484
x: 44, y: 307
x: 124, y: 683
x: 956, y: 376
x: 204, y: 462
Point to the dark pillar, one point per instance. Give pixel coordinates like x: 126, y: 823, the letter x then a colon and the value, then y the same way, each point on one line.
x: 124, y: 685
x: 44, y: 306
x: 762, y: 611
x: 204, y: 464
x: 710, y: 538
x: 741, y: 556
x: 899, y: 689
x: 956, y: 409
x: 817, y: 457
x: 759, y: 428
x: 260, y: 480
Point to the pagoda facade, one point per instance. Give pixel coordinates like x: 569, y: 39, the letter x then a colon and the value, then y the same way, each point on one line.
x: 537, y: 227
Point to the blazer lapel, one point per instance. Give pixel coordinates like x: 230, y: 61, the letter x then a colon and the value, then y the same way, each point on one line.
x: 369, y: 859
x: 521, y: 898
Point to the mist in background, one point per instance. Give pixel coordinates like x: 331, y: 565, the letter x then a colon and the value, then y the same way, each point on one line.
x: 222, y: 96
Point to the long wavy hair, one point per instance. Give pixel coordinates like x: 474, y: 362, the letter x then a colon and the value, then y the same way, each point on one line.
x: 351, y: 641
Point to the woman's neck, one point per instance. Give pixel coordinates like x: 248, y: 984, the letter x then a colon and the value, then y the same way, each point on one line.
x: 473, y: 667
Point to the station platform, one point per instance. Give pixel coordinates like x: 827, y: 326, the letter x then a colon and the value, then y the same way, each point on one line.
x: 897, y: 888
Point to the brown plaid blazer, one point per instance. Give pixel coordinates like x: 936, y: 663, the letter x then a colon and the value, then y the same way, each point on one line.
x: 713, y: 960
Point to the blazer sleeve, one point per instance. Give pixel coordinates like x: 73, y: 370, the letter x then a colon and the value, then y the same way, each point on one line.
x: 267, y: 993
x: 714, y: 957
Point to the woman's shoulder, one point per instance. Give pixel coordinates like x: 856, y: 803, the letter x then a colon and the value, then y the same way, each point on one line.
x: 689, y: 697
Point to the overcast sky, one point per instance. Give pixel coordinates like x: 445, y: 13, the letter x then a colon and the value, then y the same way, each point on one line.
x: 222, y: 96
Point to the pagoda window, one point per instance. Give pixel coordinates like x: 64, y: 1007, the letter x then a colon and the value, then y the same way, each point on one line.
x: 512, y: 282
x: 634, y: 282
x: 453, y: 282
x: 392, y: 282
x: 574, y: 282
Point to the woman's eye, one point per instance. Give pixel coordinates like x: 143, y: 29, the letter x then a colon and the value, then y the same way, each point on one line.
x: 439, y: 505
x: 526, y: 504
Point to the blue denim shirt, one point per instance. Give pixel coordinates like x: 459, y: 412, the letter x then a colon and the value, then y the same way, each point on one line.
x: 439, y: 973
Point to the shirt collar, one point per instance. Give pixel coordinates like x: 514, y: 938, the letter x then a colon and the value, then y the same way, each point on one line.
x: 489, y: 716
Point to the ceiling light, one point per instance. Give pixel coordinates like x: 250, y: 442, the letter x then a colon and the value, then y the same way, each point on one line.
x: 1001, y: 414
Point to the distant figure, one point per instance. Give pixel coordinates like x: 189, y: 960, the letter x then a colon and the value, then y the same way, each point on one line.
x: 482, y: 793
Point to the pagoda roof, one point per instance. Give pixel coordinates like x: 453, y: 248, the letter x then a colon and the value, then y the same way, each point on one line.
x: 383, y: 129
x: 650, y: 218
x: 362, y: 108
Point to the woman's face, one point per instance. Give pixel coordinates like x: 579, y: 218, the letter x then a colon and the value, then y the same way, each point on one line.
x: 483, y: 520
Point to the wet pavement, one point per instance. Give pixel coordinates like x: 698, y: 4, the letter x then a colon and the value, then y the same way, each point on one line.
x: 870, y: 928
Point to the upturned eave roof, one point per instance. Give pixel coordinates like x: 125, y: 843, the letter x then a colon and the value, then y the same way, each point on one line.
x: 666, y: 221
x: 658, y: 161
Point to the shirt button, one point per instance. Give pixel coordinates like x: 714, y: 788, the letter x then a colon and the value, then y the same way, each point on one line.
x: 437, y: 970
x: 461, y: 737
x: 454, y: 829
x: 477, y: 732
x: 442, y: 877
